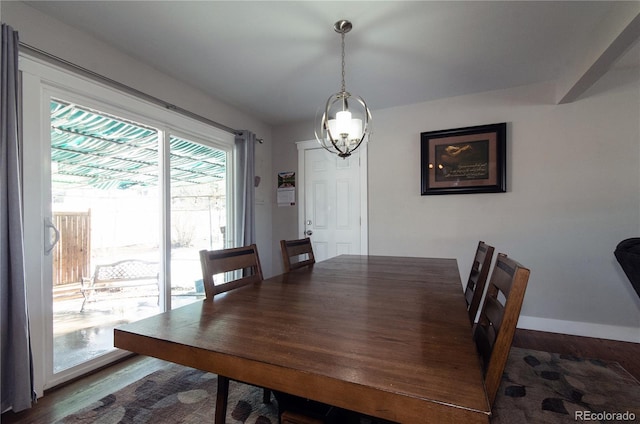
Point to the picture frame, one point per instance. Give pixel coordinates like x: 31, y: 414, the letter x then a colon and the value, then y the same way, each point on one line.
x: 464, y: 160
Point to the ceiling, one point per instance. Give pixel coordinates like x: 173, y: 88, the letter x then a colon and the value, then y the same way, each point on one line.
x: 280, y: 61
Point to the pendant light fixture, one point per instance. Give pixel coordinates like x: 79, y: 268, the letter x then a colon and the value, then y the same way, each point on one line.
x: 346, y: 120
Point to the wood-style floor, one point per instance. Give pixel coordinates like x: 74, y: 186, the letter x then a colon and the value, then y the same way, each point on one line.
x: 62, y: 401
x: 625, y: 353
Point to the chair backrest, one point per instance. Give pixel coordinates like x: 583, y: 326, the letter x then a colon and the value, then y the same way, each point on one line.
x: 226, y: 260
x: 295, y: 248
x: 498, y: 319
x: 478, y: 278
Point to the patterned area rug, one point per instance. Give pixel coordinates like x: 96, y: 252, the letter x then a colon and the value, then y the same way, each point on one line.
x: 537, y: 387
x: 177, y: 394
x: 543, y: 387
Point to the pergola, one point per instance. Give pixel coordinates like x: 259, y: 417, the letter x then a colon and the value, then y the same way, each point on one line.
x: 93, y: 149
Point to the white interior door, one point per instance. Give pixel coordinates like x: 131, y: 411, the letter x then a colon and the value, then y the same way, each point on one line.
x: 333, y: 201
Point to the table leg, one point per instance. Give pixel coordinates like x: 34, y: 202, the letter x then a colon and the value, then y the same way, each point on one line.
x: 221, y: 400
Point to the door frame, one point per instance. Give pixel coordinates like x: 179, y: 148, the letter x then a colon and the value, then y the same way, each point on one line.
x: 363, y: 181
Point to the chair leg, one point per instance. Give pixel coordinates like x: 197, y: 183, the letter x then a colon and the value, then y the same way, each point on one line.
x: 266, y: 396
x: 221, y: 400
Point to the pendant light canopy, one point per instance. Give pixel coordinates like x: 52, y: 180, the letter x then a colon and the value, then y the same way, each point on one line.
x: 345, y: 121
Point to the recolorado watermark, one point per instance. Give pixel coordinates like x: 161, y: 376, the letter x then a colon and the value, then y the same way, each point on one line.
x: 604, y: 416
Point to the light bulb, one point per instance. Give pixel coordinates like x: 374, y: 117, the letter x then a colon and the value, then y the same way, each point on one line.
x: 355, y: 131
x: 343, y: 122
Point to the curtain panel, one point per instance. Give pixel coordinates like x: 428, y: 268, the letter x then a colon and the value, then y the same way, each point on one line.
x: 16, y: 368
x: 244, y: 193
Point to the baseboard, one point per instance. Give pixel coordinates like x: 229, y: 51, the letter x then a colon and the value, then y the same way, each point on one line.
x: 585, y: 329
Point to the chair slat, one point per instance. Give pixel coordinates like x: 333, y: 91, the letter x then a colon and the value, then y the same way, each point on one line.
x: 494, y: 311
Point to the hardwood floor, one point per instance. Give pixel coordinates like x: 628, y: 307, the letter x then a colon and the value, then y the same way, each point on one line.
x: 62, y: 401
x: 625, y: 353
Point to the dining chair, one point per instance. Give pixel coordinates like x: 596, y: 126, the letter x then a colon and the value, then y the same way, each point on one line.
x: 300, y: 249
x: 499, y: 315
x: 238, y: 259
x: 246, y: 262
x: 478, y: 278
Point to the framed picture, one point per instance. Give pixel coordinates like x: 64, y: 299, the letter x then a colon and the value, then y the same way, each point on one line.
x: 464, y: 160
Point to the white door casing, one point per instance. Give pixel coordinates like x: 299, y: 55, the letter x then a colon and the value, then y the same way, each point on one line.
x: 333, y: 200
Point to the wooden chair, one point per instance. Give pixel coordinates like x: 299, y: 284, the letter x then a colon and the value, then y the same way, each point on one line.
x: 297, y: 410
x: 243, y: 260
x: 296, y: 248
x: 290, y: 417
x: 478, y: 278
x: 215, y: 262
x: 498, y: 319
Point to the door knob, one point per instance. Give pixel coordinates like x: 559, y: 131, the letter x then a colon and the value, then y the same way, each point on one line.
x: 308, y: 232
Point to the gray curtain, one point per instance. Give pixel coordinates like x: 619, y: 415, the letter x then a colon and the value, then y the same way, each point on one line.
x: 245, y: 194
x: 16, y: 370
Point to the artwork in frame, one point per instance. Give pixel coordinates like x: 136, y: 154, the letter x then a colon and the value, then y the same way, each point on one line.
x: 464, y: 160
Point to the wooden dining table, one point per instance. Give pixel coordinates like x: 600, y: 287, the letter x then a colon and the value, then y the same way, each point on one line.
x: 384, y: 336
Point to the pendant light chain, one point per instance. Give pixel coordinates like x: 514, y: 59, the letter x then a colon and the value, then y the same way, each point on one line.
x: 343, y: 72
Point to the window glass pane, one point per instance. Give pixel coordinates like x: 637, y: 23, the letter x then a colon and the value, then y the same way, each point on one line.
x: 105, y: 203
x: 198, y: 213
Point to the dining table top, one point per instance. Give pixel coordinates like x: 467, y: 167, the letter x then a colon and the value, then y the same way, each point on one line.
x: 384, y: 336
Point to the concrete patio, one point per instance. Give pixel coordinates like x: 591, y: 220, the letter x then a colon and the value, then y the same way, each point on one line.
x: 82, y: 335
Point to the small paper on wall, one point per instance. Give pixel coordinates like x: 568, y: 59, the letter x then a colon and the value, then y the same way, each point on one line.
x: 286, y: 195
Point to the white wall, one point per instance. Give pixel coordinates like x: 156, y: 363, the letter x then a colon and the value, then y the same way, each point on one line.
x: 54, y: 37
x: 573, y: 194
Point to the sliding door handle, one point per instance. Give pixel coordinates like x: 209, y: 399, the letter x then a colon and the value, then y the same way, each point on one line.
x: 49, y: 241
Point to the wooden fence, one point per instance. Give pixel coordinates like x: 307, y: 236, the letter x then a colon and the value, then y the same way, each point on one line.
x: 72, y: 254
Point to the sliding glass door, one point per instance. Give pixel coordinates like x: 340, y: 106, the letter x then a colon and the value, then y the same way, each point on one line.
x: 199, y: 213
x: 105, y: 202
x: 127, y: 195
